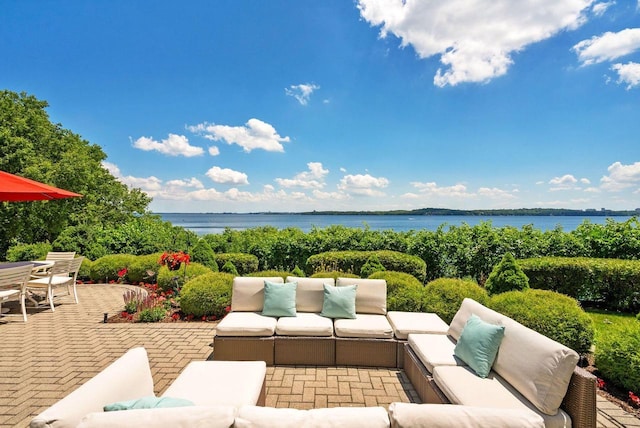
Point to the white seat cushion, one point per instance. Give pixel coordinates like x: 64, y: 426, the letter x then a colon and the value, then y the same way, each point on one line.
x: 44, y: 282
x: 434, y: 350
x: 410, y: 415
x: 220, y: 383
x: 335, y: 417
x: 364, y: 325
x: 194, y: 416
x: 462, y: 386
x: 305, y: 324
x: 246, y: 324
x: 404, y: 323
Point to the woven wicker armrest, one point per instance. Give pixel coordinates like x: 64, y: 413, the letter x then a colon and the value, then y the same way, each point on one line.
x: 580, y: 401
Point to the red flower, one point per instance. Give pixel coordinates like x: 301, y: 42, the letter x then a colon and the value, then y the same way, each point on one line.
x: 112, y: 281
x: 634, y: 399
x: 204, y: 318
x: 227, y: 309
x: 601, y: 383
x: 189, y: 317
x: 122, y: 272
x: 173, y: 260
x: 124, y: 314
x: 175, y: 316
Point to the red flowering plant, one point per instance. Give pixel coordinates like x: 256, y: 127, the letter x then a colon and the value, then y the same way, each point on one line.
x: 634, y: 400
x: 174, y: 260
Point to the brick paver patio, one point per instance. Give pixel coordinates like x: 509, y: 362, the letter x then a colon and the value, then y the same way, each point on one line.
x: 55, y: 352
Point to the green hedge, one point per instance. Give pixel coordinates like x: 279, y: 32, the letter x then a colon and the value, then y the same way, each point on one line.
x: 141, y: 267
x: 170, y: 279
x: 404, y: 291
x: 208, y: 294
x: 28, y: 252
x: 271, y: 273
x: 85, y: 269
x: 606, y: 283
x: 106, y: 268
x: 244, y: 263
x: 549, y: 313
x: 353, y: 261
x: 445, y: 295
x: 335, y: 274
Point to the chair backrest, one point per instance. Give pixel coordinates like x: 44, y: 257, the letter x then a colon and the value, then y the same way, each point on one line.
x: 60, y: 255
x: 61, y: 267
x: 11, y: 277
x: 74, y: 266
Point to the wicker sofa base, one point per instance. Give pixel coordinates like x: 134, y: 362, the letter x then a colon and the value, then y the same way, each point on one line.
x: 421, y: 379
x: 305, y: 351
x: 366, y: 352
x: 244, y: 349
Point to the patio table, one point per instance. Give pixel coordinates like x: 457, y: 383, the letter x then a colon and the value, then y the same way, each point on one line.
x: 39, y: 266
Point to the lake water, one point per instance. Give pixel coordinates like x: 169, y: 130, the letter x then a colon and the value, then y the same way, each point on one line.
x: 202, y: 223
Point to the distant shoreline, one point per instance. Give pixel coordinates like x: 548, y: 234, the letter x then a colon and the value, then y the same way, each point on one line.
x: 541, y: 212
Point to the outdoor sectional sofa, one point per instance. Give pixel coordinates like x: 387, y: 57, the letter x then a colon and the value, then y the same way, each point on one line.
x: 534, y: 381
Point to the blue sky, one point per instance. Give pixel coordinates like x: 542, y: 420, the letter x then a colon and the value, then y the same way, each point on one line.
x: 246, y: 106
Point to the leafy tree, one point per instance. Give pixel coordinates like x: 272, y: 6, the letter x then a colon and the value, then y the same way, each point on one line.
x: 34, y: 147
x: 507, y: 276
x: 202, y: 253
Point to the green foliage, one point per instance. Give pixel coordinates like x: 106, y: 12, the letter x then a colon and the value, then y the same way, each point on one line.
x: 607, y: 283
x: 445, y: 295
x: 267, y: 273
x: 203, y: 254
x: 616, y: 348
x: 175, y: 279
x: 85, y: 269
x: 297, y: 272
x: 404, y: 291
x: 554, y: 315
x: 244, y: 263
x: 353, y: 261
x: 34, y: 147
x: 209, y: 294
x: 229, y: 267
x: 143, y: 268
x: 106, y: 268
x: 28, y: 252
x: 371, y: 266
x: 335, y: 274
x: 154, y: 314
x: 506, y: 276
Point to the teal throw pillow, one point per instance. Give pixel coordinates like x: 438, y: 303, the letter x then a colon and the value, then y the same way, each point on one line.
x: 339, y: 302
x: 478, y: 344
x: 148, y: 403
x: 279, y: 299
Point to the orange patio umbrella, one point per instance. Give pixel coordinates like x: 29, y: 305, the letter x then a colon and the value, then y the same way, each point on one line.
x: 14, y: 188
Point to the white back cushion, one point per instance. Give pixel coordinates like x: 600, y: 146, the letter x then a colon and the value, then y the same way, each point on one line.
x: 371, y: 295
x: 173, y: 417
x: 469, y: 307
x: 248, y: 293
x: 310, y: 293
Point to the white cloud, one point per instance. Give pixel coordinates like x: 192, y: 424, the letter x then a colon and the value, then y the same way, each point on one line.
x: 628, y: 74
x: 599, y: 9
x: 495, y: 193
x: 192, y: 182
x: 256, y: 134
x: 149, y: 185
x: 302, y: 92
x: 585, y: 181
x: 621, y: 177
x: 565, y: 180
x: 432, y: 188
x: 227, y: 176
x: 312, y: 179
x: 475, y: 40
x: 363, y: 184
x: 174, y: 145
x: 608, y: 46
x: 319, y: 194
x: 214, y: 151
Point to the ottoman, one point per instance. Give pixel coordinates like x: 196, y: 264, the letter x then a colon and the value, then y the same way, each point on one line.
x: 216, y: 383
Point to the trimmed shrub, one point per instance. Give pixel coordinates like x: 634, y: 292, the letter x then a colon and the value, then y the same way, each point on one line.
x: 606, y: 283
x: 554, y: 315
x: 28, y: 252
x: 618, y: 359
x: 144, y: 268
x: 353, y: 261
x: 175, y: 279
x: 229, y: 267
x: 203, y: 254
x: 297, y: 272
x: 506, y: 276
x: 333, y: 274
x: 404, y: 291
x: 106, y: 268
x: 445, y: 295
x: 85, y: 269
x: 209, y: 294
x: 372, y: 266
x: 279, y: 273
x: 244, y: 263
